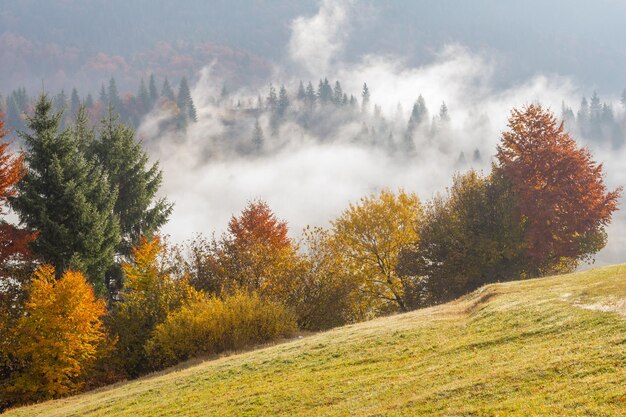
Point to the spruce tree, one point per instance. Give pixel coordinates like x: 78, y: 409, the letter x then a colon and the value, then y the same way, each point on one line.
x: 310, y: 95
x: 167, y: 91
x: 114, y: 96
x: 283, y: 101
x: 257, y: 137
x: 338, y: 94
x: 74, y: 102
x: 301, y: 93
x: 127, y: 166
x: 144, y: 97
x: 365, y: 99
x: 185, y: 102
x: 66, y: 197
x: 152, y: 90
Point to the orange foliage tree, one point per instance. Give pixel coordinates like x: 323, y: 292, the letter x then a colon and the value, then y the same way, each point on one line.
x: 15, y: 258
x: 58, y: 338
x: 561, y: 197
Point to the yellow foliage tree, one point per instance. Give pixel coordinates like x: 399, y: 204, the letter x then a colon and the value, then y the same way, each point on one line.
x: 148, y: 296
x: 58, y: 336
x: 372, y: 234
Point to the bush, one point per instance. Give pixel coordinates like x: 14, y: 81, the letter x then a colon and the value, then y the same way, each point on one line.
x: 217, y: 325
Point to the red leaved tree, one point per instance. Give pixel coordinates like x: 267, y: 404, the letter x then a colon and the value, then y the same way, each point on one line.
x: 561, y: 197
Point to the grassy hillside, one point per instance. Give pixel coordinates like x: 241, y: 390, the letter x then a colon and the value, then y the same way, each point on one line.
x: 553, y: 346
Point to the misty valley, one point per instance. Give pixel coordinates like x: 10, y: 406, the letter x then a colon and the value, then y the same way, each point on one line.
x: 311, y: 208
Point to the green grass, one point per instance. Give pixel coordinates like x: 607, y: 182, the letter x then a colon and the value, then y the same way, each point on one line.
x: 547, y: 347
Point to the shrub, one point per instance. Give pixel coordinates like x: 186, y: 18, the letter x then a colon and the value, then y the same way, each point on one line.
x: 216, y: 325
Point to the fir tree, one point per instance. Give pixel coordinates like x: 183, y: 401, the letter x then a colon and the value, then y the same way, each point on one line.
x: 74, y: 102
x: 301, y: 92
x: 310, y: 95
x: 283, y: 101
x: 167, y: 91
x: 66, y: 198
x: 257, y: 137
x: 104, y: 99
x: 365, y: 99
x: 144, y: 97
x: 271, y: 99
x: 324, y: 91
x: 89, y: 101
x: 152, y: 91
x: 114, y: 96
x: 337, y: 93
x: 185, y: 102
x: 126, y: 164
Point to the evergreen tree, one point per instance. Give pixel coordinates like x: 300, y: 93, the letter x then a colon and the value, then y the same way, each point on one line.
x: 257, y: 137
x: 301, y: 93
x: 103, y: 95
x: 324, y: 91
x: 310, y: 95
x: 444, y: 117
x: 114, y: 96
x: 224, y: 94
x: 66, y: 198
x: 365, y: 101
x: 337, y: 93
x: 283, y: 102
x: 126, y: 164
x: 60, y: 102
x: 185, y: 102
x: 74, y: 102
x: 152, y: 90
x: 167, y: 91
x: 89, y: 101
x: 144, y: 97
x: 271, y: 100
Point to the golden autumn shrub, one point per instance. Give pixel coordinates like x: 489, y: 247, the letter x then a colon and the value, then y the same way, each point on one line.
x: 217, y: 325
x: 149, y: 295
x: 57, y: 338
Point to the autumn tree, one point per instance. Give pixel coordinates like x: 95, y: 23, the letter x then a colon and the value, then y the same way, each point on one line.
x: 66, y: 197
x: 58, y: 337
x: 149, y: 294
x: 372, y: 234
x: 15, y: 258
x: 563, y: 203
x: 469, y: 237
x: 326, y: 293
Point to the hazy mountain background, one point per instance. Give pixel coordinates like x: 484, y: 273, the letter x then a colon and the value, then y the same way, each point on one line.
x: 72, y: 43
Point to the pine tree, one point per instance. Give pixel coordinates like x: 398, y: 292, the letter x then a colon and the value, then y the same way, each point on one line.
x: 103, y: 96
x: 89, y: 101
x: 74, y: 102
x: 144, y: 97
x: 257, y: 137
x: 185, y: 102
x: 301, y: 93
x: 152, y: 90
x: 127, y: 166
x: 283, y: 102
x: 167, y: 91
x: 338, y: 93
x: 224, y: 94
x: 114, y: 96
x: 324, y: 91
x: 365, y: 101
x: 271, y: 100
x: 310, y: 95
x: 444, y: 117
x: 66, y: 198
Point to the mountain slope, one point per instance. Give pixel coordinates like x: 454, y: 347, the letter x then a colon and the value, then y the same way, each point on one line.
x: 552, y: 346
